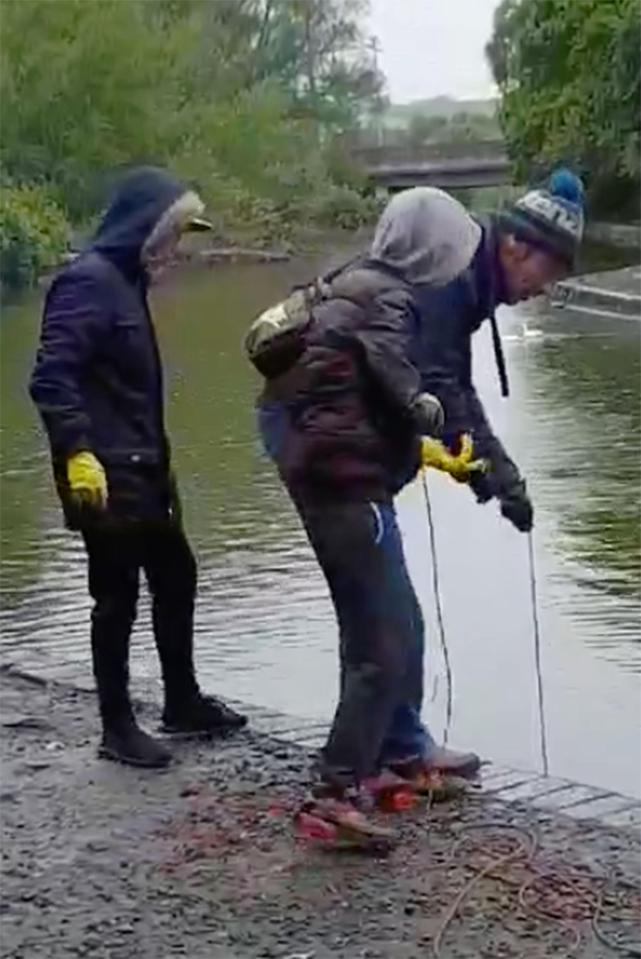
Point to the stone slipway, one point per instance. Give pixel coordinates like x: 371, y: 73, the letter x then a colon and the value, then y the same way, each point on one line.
x: 200, y: 861
x: 615, y: 293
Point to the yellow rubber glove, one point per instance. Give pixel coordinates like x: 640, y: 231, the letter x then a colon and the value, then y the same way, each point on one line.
x: 87, y: 480
x: 460, y: 467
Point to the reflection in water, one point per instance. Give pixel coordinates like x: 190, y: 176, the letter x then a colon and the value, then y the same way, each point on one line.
x: 264, y: 622
x: 603, y: 522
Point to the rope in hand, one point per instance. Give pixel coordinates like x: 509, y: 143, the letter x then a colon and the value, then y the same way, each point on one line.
x: 436, y: 586
x: 537, y: 653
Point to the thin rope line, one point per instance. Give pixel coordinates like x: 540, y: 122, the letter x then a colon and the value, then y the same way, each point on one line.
x: 537, y: 653
x: 436, y: 586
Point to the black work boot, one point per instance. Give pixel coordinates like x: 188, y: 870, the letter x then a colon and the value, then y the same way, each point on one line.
x: 122, y: 738
x: 125, y: 742
x: 200, y: 716
x: 187, y: 713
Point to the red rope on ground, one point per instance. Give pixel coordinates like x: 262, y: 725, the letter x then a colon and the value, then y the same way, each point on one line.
x: 567, y: 896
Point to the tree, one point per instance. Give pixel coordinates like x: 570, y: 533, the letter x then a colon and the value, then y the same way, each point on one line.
x: 238, y: 93
x: 323, y: 58
x: 79, y: 87
x: 422, y: 129
x: 569, y: 74
x: 242, y: 96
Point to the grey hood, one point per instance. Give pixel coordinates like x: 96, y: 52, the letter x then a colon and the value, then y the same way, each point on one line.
x: 427, y: 235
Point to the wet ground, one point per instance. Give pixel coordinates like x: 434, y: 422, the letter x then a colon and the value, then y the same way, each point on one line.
x: 201, y: 861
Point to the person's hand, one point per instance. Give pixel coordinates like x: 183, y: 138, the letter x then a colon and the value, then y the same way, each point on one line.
x: 461, y: 466
x: 481, y: 485
x: 87, y: 480
x: 516, y: 507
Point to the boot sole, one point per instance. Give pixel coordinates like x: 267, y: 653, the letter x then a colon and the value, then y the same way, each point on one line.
x: 105, y: 753
x: 339, y: 837
x: 180, y: 735
x: 469, y: 771
x: 186, y: 734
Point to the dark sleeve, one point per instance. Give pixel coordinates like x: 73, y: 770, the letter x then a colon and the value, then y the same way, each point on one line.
x: 385, y: 345
x: 504, y: 476
x: 74, y: 324
x: 450, y: 379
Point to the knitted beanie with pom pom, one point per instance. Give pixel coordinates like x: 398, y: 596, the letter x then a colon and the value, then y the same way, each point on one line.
x: 551, y: 218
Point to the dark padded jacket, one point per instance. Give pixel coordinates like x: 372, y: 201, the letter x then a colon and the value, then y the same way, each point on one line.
x: 97, y: 380
x: 348, y: 424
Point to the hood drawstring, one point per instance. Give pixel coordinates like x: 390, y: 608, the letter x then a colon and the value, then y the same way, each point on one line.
x: 490, y: 254
x: 499, y: 356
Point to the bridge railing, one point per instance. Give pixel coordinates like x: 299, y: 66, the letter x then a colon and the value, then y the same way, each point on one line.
x: 404, y: 154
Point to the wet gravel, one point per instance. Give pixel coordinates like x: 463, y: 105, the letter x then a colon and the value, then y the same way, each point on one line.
x: 200, y: 860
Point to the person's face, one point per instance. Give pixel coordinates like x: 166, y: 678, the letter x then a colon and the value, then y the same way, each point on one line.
x: 527, y: 270
x: 159, y: 256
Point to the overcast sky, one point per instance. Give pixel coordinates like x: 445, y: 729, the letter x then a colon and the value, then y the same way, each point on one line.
x: 432, y: 47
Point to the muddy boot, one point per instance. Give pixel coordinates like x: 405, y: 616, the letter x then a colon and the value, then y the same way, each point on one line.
x: 336, y: 820
x: 126, y: 742
x: 389, y: 792
x: 424, y: 780
x: 200, y: 716
x: 451, y: 763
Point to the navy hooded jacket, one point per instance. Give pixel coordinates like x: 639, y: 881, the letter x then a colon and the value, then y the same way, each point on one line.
x: 97, y: 381
x: 442, y: 351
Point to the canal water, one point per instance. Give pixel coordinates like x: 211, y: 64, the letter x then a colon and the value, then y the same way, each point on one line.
x: 265, y: 631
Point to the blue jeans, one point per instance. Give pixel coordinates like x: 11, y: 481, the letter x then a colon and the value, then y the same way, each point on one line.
x: 378, y: 717
x: 407, y: 737
x: 359, y: 548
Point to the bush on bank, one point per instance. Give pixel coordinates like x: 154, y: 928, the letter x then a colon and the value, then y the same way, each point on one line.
x: 33, y: 234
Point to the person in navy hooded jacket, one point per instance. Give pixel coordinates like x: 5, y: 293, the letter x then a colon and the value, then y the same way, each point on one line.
x: 98, y: 386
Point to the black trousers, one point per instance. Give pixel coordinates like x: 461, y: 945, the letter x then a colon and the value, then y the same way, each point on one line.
x: 116, y: 558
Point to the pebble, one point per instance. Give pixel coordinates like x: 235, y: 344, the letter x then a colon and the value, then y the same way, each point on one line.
x: 261, y: 896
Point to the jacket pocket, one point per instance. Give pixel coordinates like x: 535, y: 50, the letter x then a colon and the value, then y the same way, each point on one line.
x: 132, y: 457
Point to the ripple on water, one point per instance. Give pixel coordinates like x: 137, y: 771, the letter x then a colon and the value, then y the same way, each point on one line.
x: 264, y: 624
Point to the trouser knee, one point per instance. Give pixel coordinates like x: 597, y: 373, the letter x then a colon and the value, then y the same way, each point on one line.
x: 117, y: 609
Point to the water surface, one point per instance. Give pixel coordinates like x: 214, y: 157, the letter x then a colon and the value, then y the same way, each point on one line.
x: 265, y: 630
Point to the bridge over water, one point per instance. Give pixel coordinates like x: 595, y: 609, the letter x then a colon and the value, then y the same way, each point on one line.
x: 464, y: 165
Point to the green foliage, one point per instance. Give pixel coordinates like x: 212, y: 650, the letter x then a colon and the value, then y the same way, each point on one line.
x: 33, y: 234
x: 242, y: 96
x: 399, y: 115
x: 81, y: 92
x: 569, y: 73
x: 461, y: 127
x: 343, y: 207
